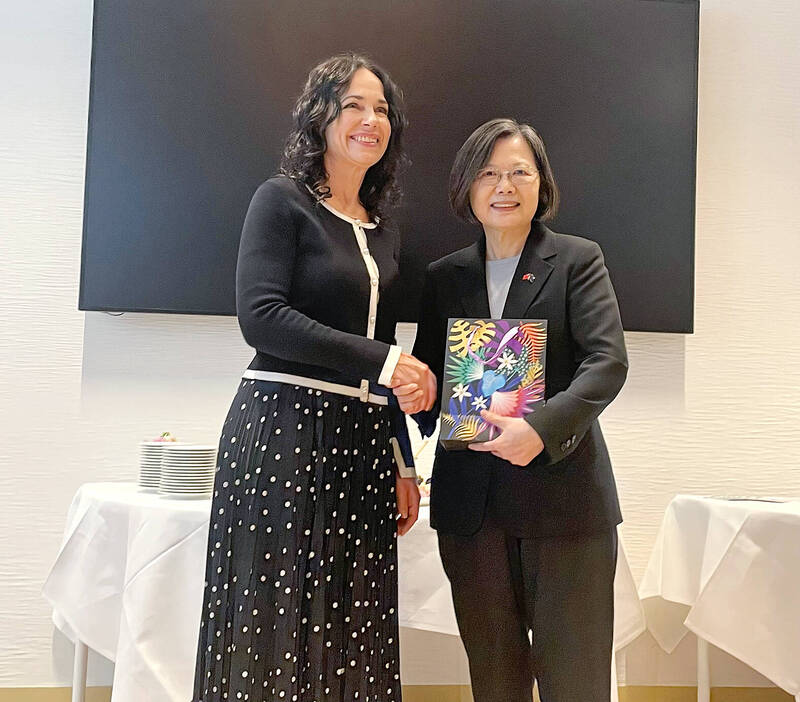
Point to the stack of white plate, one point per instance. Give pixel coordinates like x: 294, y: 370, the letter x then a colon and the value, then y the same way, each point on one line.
x: 187, y: 471
x: 150, y: 464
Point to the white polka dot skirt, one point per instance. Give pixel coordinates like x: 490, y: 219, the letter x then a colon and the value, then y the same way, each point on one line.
x: 301, y: 579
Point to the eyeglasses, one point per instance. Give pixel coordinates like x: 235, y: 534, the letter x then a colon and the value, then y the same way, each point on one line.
x: 491, y: 177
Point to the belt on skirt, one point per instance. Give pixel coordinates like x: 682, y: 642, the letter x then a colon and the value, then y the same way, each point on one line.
x: 362, y: 392
x: 401, y: 443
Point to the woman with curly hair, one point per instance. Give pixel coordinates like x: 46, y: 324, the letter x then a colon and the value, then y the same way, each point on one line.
x: 314, y: 464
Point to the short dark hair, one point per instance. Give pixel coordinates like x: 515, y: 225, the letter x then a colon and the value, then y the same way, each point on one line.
x: 475, y: 153
x: 318, y: 106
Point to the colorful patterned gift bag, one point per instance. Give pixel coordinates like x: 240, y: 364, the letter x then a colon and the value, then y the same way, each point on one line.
x: 494, y: 364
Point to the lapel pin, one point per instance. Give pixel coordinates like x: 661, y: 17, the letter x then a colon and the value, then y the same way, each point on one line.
x: 530, y: 277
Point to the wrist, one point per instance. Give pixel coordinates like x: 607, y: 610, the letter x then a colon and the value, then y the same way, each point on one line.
x: 390, y: 366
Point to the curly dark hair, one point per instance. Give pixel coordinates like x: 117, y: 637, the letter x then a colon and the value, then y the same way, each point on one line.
x: 317, y: 107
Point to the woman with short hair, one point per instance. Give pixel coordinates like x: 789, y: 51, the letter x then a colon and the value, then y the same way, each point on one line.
x: 314, y: 461
x: 527, y: 521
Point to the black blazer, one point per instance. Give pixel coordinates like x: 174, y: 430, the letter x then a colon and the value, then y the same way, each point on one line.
x: 569, y: 488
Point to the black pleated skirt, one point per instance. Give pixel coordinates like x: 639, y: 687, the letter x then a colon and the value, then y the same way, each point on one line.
x: 300, y: 599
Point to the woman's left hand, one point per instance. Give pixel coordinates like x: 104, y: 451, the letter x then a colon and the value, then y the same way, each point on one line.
x: 518, y: 443
x: 407, y: 495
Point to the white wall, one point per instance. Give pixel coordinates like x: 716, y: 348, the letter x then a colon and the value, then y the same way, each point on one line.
x: 736, y: 432
x: 711, y: 413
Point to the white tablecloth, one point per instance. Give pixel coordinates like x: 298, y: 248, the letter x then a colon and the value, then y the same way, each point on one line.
x: 128, y: 582
x: 728, y: 571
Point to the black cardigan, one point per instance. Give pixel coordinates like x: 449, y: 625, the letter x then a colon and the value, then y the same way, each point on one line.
x: 302, y: 289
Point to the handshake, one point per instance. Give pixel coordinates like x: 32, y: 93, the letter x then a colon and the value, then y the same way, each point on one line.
x: 414, y: 384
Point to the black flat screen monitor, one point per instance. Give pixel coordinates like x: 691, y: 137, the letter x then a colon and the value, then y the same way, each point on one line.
x: 190, y: 104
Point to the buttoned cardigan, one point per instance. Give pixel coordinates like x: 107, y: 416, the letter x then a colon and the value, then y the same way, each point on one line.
x: 318, y: 293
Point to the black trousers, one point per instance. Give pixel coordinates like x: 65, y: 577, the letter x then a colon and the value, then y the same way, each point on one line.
x: 559, y: 588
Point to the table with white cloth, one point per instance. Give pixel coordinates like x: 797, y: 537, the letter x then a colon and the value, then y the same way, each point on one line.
x: 727, y: 570
x: 128, y: 583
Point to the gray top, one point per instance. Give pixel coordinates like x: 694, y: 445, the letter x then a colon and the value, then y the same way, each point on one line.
x: 498, y: 280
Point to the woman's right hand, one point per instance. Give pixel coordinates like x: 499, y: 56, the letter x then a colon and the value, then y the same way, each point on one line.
x: 414, y: 384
